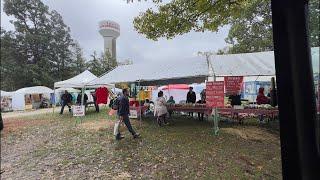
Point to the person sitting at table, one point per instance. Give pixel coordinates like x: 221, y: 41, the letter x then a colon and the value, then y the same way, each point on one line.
x: 170, y: 102
x: 161, y: 109
x: 191, y: 98
x: 149, y: 107
x: 235, y: 99
x: 261, y: 98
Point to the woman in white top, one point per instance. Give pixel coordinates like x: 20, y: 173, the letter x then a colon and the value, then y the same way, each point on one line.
x: 161, y: 109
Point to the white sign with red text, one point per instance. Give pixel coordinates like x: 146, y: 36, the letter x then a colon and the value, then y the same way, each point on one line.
x: 78, y: 111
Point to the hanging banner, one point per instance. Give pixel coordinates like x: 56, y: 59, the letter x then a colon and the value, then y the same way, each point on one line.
x: 215, y: 94
x: 78, y: 111
x: 233, y: 84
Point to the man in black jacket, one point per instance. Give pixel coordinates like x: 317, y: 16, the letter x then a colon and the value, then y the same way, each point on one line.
x: 123, y: 113
x: 191, y: 98
x: 66, y: 99
x: 85, y: 99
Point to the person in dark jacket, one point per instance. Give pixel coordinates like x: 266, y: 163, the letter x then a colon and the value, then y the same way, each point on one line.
x: 123, y: 113
x: 96, y: 105
x: 66, y: 100
x: 85, y: 99
x: 235, y: 99
x: 191, y: 98
x: 202, y: 101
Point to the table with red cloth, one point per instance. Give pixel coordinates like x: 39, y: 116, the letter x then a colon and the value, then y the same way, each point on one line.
x: 240, y: 114
x: 199, y: 109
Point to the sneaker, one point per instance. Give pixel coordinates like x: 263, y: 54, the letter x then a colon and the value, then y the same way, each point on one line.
x: 119, y: 138
x: 137, y: 135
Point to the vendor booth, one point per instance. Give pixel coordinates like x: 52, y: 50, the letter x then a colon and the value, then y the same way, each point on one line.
x: 6, y: 101
x: 169, y: 71
x: 30, y: 97
x: 79, y: 84
x: 255, y: 70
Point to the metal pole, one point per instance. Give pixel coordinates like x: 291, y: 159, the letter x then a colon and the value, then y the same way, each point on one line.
x: 140, y: 107
x: 54, y: 99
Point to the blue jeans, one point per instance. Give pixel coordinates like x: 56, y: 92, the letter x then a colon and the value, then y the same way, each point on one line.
x: 126, y: 121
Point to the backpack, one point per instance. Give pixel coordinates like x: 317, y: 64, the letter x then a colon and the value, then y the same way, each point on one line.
x: 115, y: 104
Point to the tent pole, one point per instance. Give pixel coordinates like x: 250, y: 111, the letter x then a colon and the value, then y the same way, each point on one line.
x: 54, y: 99
x: 82, y: 95
x: 140, y: 107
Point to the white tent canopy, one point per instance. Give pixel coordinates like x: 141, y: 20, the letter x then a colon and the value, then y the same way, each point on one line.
x: 34, y: 90
x: 248, y: 64
x: 6, y: 94
x: 252, y: 64
x: 78, y: 81
x: 18, y: 97
x: 196, y: 69
x: 173, y: 71
x: 70, y: 90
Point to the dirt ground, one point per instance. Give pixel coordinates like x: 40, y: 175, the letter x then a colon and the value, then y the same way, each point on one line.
x: 16, y: 114
x: 52, y: 146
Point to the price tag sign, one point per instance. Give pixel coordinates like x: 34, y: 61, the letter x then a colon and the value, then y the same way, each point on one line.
x: 133, y: 114
x: 78, y: 111
x: 233, y: 84
x: 215, y: 94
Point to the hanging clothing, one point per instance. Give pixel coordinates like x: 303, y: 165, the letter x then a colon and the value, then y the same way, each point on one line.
x: 142, y: 95
x: 102, y: 95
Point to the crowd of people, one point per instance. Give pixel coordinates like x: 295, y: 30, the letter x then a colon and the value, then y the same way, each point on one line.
x: 158, y: 109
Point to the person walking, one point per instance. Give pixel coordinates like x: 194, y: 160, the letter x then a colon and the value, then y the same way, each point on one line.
x: 161, y: 109
x: 66, y: 100
x: 123, y: 113
x: 191, y: 98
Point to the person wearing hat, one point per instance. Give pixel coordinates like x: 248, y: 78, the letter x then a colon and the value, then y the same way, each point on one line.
x: 191, y: 98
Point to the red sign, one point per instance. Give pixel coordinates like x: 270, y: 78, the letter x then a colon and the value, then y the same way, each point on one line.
x: 215, y: 94
x: 233, y: 84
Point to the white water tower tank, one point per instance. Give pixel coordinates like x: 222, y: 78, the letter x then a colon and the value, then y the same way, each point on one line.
x: 109, y: 30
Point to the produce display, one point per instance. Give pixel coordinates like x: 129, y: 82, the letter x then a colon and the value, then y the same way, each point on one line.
x: 262, y: 106
x: 186, y: 105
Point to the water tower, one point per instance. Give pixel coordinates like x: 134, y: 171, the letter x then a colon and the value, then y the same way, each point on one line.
x: 109, y: 30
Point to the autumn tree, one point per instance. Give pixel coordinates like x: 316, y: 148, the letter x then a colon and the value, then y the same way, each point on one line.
x: 250, y: 21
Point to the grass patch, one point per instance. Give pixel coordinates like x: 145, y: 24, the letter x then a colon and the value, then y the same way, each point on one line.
x: 185, y: 149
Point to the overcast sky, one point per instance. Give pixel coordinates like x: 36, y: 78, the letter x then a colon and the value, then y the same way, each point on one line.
x: 82, y: 16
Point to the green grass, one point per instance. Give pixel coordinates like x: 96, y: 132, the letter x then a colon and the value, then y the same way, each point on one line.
x: 185, y: 149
